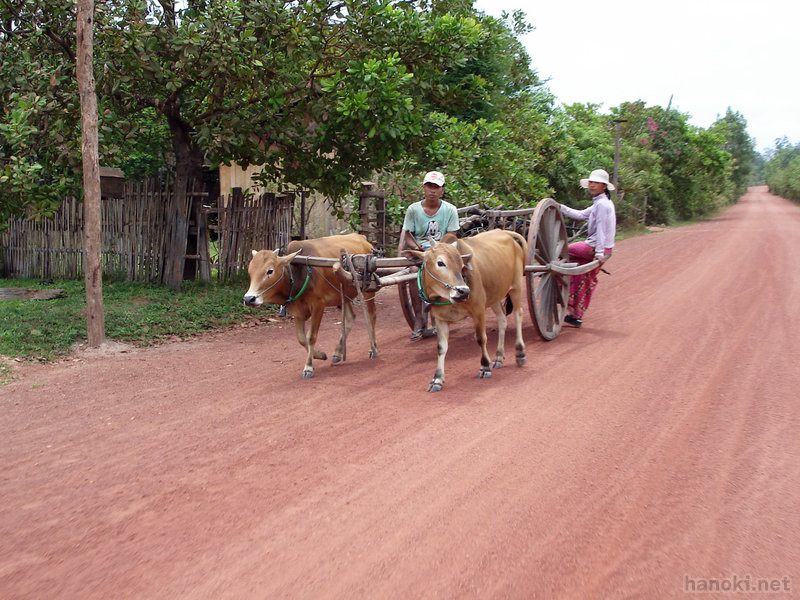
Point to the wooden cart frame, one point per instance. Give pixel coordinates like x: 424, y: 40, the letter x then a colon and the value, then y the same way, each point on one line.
x: 547, y: 271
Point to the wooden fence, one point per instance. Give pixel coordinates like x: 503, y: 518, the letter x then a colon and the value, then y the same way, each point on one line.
x: 133, y: 234
x: 242, y: 224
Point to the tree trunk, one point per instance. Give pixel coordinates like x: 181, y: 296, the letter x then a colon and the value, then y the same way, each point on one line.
x: 92, y: 268
x: 188, y: 166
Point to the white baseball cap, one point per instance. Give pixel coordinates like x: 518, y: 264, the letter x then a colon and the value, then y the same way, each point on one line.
x: 599, y: 176
x: 434, y: 177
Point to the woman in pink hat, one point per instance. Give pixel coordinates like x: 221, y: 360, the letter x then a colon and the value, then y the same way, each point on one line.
x: 598, y: 246
x: 426, y: 222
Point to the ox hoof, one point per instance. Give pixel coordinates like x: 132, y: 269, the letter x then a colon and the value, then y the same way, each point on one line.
x: 484, y: 374
x: 336, y: 359
x: 373, y: 354
x: 497, y: 364
x: 435, y: 386
x: 520, y: 361
x: 308, y: 374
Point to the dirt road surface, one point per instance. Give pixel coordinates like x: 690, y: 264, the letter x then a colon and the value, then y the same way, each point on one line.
x: 654, y: 453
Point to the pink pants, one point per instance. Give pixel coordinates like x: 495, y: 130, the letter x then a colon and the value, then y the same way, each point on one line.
x: 581, y: 287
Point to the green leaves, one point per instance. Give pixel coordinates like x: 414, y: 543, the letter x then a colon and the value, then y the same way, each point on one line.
x: 324, y: 96
x: 321, y: 97
x: 27, y: 180
x: 782, y: 169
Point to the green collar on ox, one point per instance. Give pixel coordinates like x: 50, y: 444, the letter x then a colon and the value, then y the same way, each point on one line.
x: 422, y: 293
x: 292, y: 298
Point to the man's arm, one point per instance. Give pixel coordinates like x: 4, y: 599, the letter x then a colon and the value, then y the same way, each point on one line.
x: 407, y: 242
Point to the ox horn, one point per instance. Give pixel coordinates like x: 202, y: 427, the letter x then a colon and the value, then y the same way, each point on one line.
x: 341, y: 274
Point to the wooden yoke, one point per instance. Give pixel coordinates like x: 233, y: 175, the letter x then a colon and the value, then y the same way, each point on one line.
x: 366, y: 272
x: 357, y: 270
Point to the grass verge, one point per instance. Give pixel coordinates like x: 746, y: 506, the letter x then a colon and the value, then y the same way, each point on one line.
x: 136, y: 313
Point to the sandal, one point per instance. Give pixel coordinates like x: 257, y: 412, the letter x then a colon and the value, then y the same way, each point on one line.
x: 418, y: 334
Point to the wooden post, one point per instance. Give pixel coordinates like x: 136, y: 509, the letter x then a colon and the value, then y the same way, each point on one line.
x: 372, y: 211
x: 193, y: 260
x: 203, y: 240
x: 92, y: 268
x: 302, y: 214
x: 615, y: 180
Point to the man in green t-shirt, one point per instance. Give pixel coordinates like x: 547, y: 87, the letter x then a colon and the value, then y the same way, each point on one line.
x: 429, y: 219
x: 425, y: 223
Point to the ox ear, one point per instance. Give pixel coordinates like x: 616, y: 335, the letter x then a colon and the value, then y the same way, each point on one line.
x: 415, y: 256
x: 450, y: 238
x: 467, y: 258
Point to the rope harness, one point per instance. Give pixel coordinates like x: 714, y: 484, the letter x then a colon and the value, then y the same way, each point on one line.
x: 273, y: 285
x: 346, y: 297
x: 422, y: 293
x: 292, y: 296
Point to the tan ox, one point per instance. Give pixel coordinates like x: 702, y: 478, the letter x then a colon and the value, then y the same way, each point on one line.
x: 306, y: 291
x: 462, y: 278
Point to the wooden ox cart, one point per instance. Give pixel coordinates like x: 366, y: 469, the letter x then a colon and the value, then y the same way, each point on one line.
x: 547, y: 271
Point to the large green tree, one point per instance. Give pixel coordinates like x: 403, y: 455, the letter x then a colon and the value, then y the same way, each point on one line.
x: 40, y: 112
x: 487, y: 126
x: 739, y: 145
x: 321, y: 92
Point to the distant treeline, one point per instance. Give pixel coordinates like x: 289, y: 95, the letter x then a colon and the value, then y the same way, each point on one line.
x: 782, y: 170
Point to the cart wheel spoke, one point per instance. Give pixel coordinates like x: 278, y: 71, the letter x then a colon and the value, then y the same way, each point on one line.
x: 407, y: 302
x: 548, y: 292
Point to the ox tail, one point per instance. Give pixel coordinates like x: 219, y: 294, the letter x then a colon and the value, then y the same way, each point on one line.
x: 521, y: 241
x: 523, y: 244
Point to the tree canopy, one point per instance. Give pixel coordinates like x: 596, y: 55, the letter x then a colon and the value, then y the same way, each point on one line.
x: 319, y: 92
x: 325, y: 93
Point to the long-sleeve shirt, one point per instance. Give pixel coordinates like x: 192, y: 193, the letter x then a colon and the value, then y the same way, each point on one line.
x: 602, y: 222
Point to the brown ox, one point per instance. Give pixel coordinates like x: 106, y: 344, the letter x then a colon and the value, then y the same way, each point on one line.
x: 306, y: 291
x: 464, y: 277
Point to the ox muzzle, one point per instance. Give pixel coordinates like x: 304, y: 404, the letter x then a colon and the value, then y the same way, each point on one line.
x: 459, y: 293
x: 252, y: 300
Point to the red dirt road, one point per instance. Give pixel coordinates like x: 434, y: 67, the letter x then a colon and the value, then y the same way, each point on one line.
x: 654, y: 452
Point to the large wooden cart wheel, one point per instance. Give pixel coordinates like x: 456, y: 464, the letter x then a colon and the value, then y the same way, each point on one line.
x: 409, y: 301
x: 548, y: 291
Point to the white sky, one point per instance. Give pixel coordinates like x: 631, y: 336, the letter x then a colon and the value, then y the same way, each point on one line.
x: 707, y: 55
